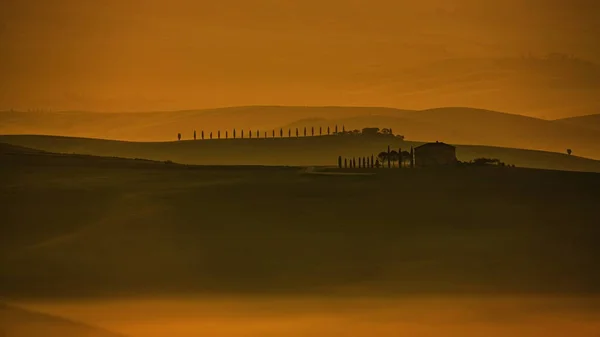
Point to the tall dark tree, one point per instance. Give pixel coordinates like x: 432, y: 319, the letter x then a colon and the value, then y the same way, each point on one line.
x: 328, y: 132
x: 202, y: 134
x: 194, y: 134
x: 382, y: 157
x: 345, y: 162
x: 359, y: 163
x: 312, y: 131
x: 242, y: 133
x: 265, y: 134
x: 320, y: 130
x: 372, y: 161
x: 296, y: 132
x: 226, y: 134
x: 364, y: 161
x: 336, y: 129
x: 343, y: 128
x: 281, y: 133
x: 233, y: 133
x: 257, y: 133
x: 273, y: 133
x: 250, y: 134
x: 353, y: 162
x: 218, y: 134
x: 389, y: 157
x: 393, y: 157
x: 211, y: 135
x: 400, y: 158
x: 305, y: 131
x: 289, y: 133
x: 179, y: 136
x: 339, y: 161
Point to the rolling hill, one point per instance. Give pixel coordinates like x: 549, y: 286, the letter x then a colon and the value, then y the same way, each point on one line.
x: 453, y: 125
x: 301, y: 151
x: 17, y: 322
x: 588, y: 121
x: 119, y: 231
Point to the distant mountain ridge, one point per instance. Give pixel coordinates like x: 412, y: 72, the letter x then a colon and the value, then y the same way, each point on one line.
x: 587, y: 121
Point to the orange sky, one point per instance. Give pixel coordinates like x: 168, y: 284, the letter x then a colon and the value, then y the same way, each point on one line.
x: 139, y: 55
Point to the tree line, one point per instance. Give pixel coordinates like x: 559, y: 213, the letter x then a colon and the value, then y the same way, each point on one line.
x: 312, y: 131
x: 389, y: 157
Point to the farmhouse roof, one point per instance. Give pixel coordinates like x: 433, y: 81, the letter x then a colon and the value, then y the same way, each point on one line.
x: 436, y: 144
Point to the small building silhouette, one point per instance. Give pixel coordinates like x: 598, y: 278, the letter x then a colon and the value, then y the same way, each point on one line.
x: 435, y: 154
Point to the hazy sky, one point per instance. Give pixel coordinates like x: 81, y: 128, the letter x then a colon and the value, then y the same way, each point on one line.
x: 119, y: 55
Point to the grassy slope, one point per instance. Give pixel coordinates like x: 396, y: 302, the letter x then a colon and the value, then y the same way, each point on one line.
x: 588, y: 121
x: 16, y: 322
x: 287, y: 151
x: 455, y: 125
x: 122, y: 230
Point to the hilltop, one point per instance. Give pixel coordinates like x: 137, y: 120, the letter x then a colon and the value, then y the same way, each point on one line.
x: 455, y: 125
x: 301, y: 151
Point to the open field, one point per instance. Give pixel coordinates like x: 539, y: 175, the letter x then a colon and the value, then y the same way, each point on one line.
x: 149, y: 249
x: 163, y: 228
x: 302, y: 151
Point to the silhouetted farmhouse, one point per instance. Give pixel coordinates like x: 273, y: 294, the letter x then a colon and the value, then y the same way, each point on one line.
x: 435, y: 154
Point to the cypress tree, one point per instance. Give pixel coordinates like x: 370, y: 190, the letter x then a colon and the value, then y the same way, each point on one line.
x: 389, y: 159
x: 328, y: 131
x: 281, y: 133
x: 345, y: 162
x: 289, y: 133
x: 211, y: 135
x: 312, y: 131
x: 250, y: 133
x: 233, y: 133
x: 353, y: 162
x: 265, y: 134
x: 372, y: 161
x: 296, y: 132
x: 219, y: 134
x: 400, y: 158
x: 336, y: 129
x: 242, y: 133
x: 194, y: 134
x: 340, y: 162
x: 305, y: 131
x: 202, y: 134
x: 273, y: 133
x: 343, y: 128
x: 257, y: 134
x: 320, y: 130
x: 226, y: 134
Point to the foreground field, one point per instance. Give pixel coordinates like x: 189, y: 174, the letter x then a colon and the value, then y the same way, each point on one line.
x: 302, y: 151
x: 126, y: 227
x: 151, y: 249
